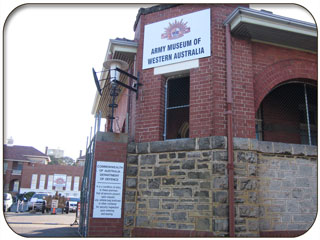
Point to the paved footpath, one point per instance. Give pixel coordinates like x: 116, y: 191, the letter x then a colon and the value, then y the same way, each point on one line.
x: 28, y: 224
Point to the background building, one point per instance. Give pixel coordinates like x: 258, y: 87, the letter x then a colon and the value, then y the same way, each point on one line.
x: 57, y: 153
x: 81, y: 160
x: 26, y: 169
x: 16, y: 158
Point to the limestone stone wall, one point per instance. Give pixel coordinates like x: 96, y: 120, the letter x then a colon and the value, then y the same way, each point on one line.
x: 287, y: 192
x: 183, y: 185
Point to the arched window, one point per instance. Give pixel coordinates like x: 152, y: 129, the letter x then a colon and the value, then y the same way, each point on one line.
x: 289, y: 114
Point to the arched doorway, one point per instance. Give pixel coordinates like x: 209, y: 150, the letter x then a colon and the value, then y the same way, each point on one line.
x: 288, y: 114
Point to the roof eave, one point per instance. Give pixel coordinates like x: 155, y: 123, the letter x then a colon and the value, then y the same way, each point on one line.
x: 16, y: 160
x: 97, y: 96
x: 274, y: 29
x: 31, y: 157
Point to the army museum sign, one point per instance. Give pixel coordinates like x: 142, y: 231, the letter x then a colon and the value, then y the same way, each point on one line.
x: 177, y: 39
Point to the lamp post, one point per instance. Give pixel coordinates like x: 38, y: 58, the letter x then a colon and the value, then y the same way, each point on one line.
x: 114, y: 64
x: 115, y: 67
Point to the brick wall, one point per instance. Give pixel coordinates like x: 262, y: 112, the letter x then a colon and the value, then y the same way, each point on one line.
x: 207, y: 83
x: 243, y: 89
x: 109, y: 147
x: 182, y: 186
x: 42, y: 169
x: 256, y: 69
x: 8, y: 177
x: 273, y: 65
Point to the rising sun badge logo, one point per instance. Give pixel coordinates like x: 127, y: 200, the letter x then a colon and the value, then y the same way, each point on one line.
x: 175, y: 30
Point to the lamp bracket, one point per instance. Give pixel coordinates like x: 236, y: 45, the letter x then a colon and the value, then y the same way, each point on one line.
x: 136, y: 78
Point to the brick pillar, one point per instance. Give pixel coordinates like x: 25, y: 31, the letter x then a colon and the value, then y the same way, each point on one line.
x: 110, y: 151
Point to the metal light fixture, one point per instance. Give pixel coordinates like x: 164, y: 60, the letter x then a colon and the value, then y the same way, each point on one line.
x: 112, y: 66
x: 115, y: 67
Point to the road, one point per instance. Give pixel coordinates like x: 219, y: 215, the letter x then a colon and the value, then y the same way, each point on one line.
x: 28, y: 224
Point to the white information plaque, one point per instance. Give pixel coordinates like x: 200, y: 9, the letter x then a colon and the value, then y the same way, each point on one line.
x: 178, y: 39
x: 108, y: 190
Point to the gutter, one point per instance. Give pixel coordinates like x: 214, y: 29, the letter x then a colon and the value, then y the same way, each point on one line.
x: 230, y: 165
x: 265, y: 15
x: 128, y: 43
x: 16, y: 160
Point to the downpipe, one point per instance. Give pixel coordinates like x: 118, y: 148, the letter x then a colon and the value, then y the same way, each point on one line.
x: 230, y: 165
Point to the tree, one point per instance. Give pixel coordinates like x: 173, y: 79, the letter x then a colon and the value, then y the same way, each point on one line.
x: 62, y: 161
x: 69, y: 161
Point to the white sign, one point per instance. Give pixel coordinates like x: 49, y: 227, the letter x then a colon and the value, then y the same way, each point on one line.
x: 177, y: 39
x: 54, y: 203
x: 108, y: 190
x: 59, y: 180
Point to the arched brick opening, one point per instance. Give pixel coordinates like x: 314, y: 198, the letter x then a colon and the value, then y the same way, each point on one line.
x: 280, y: 72
x: 289, y: 113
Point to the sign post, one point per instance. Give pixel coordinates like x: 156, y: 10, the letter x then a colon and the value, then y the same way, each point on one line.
x: 77, y: 215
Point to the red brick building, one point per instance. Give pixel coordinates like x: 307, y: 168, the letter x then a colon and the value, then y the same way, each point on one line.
x: 263, y: 59
x: 223, y: 131
x: 26, y: 169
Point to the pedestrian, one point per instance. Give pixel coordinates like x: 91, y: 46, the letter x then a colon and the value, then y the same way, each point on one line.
x: 67, y: 207
x: 20, y: 202
x: 43, y: 206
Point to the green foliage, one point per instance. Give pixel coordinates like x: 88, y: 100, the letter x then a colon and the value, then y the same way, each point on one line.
x: 62, y: 161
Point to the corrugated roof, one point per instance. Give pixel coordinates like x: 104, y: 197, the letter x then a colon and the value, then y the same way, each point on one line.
x: 17, y: 152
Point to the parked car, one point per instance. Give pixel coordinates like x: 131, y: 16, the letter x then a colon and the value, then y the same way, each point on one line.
x: 38, y: 201
x: 71, y: 204
x: 7, y: 201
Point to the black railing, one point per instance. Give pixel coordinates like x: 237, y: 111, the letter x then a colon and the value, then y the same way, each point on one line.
x: 87, y: 179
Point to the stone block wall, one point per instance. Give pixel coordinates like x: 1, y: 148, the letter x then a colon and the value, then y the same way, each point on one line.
x: 288, y: 192
x: 182, y: 186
